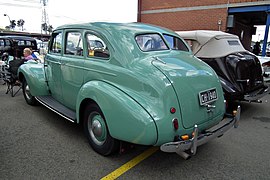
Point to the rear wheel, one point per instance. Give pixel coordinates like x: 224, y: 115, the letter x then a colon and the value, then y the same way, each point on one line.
x: 97, y: 132
x: 31, y: 100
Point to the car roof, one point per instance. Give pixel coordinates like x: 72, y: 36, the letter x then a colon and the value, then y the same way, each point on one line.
x: 203, y: 36
x: 212, y: 44
x: 133, y: 27
x: 119, y: 35
x: 18, y: 37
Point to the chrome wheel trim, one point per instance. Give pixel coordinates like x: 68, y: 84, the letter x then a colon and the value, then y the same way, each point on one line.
x: 97, y: 128
x: 27, y: 92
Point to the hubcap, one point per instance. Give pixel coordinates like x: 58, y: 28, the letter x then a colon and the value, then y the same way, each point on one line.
x: 97, y: 128
x: 27, y: 92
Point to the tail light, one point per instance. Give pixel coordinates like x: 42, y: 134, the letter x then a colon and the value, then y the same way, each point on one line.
x: 172, y: 110
x: 175, y: 123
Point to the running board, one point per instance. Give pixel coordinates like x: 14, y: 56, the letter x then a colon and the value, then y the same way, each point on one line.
x: 55, y: 106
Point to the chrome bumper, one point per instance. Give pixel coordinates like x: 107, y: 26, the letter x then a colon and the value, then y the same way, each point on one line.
x: 257, y: 95
x: 198, y: 139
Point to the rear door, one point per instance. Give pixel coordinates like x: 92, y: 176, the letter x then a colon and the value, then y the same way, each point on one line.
x: 72, y: 66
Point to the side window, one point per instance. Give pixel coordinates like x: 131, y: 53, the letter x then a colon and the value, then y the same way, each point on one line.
x: 2, y: 42
x: 150, y: 42
x: 56, y: 44
x: 28, y: 43
x: 21, y: 43
x: 7, y: 42
x: 74, y: 44
x: 176, y: 43
x: 97, y: 47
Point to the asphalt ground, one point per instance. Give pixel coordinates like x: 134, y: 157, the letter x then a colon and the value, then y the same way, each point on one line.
x: 36, y: 143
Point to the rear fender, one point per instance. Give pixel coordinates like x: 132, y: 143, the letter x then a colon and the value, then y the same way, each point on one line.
x: 228, y: 86
x: 126, y: 119
x: 34, y: 74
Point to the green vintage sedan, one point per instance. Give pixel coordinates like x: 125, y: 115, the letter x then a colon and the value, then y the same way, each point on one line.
x: 129, y: 82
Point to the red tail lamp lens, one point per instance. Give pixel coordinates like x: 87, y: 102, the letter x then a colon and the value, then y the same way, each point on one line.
x: 175, y: 124
x: 172, y: 110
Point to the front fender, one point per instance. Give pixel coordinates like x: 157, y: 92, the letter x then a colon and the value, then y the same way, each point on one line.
x: 126, y: 119
x: 35, y: 76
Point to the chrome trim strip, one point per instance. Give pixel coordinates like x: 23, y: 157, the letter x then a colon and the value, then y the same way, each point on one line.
x: 67, y: 118
x: 97, y: 71
x: 83, y: 68
x: 53, y: 62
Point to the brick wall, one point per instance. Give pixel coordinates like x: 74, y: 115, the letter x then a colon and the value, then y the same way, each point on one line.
x: 165, y: 4
x: 195, y: 14
x: 189, y: 20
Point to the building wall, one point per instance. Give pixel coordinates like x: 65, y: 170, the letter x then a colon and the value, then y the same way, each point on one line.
x: 166, y: 4
x: 187, y: 15
x: 190, y: 20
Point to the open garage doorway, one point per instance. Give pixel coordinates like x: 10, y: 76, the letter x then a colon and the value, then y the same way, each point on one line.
x: 244, y: 22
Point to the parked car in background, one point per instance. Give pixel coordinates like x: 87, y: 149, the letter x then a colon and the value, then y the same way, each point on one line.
x: 14, y: 45
x: 129, y: 82
x: 265, y: 62
x: 42, y: 46
x: 239, y: 70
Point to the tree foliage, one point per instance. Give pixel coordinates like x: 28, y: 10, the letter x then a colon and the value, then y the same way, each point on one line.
x: 46, y: 27
x: 20, y: 23
x: 12, y: 24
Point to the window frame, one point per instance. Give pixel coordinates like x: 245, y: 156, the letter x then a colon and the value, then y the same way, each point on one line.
x: 183, y: 42
x: 104, y: 40
x: 54, y: 35
x: 151, y: 33
x: 65, y: 39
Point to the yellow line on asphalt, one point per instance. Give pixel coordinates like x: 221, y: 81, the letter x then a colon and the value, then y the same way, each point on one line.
x: 133, y: 162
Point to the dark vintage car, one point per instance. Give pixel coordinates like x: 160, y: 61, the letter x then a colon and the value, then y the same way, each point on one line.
x: 14, y: 45
x: 239, y: 70
x: 130, y: 82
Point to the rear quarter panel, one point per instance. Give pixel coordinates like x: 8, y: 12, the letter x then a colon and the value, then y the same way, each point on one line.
x: 127, y: 120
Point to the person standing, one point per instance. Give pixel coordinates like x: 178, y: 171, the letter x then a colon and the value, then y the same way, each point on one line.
x: 257, y: 48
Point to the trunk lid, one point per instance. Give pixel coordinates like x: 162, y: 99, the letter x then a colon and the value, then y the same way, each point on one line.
x: 245, y: 68
x: 190, y: 77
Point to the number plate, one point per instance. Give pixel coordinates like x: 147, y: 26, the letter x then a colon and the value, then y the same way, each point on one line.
x: 208, y: 96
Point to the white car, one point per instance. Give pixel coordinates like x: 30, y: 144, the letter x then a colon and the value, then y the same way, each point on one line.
x: 265, y: 62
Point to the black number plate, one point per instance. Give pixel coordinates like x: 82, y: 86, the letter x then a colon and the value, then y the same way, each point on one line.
x: 208, y: 96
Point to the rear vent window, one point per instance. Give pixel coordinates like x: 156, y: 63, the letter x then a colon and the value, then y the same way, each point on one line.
x: 233, y: 43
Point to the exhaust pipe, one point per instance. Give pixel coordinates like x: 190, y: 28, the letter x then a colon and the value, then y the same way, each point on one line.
x: 184, y: 155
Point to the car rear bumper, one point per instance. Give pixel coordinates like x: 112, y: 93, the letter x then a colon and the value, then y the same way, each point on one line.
x: 198, y: 139
x: 256, y: 95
